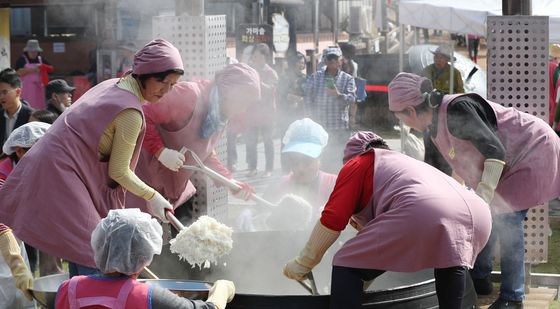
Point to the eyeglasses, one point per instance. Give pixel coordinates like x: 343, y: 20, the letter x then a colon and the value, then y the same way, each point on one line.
x: 5, y: 92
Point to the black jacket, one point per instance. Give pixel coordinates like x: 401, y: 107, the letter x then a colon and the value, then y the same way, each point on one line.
x: 22, y: 118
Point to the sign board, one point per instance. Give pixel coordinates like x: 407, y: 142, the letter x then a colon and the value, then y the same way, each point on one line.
x: 281, y: 37
x: 59, y: 47
x: 247, y: 35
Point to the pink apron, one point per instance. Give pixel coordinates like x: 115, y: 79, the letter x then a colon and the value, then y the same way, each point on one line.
x: 61, y: 190
x: 417, y: 218
x: 33, y: 90
x: 530, y: 176
x: 82, y: 291
x: 6, y: 168
x: 176, y: 186
x: 317, y: 196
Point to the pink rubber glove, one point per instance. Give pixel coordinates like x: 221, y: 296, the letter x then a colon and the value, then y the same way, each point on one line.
x: 245, y: 192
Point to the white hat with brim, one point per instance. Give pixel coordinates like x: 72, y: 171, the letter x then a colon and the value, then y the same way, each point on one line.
x: 32, y: 46
x: 444, y: 51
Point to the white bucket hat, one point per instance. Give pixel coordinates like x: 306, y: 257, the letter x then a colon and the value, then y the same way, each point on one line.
x: 32, y: 46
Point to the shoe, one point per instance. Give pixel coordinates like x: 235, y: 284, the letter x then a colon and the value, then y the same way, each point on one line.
x: 502, y: 303
x: 252, y: 172
x: 483, y: 286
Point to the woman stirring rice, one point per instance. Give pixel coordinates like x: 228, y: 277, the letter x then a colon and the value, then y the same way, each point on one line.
x: 84, y: 164
x: 193, y: 115
x: 409, y: 217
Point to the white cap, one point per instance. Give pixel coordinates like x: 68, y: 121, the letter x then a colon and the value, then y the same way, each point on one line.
x: 306, y: 137
x: 25, y: 136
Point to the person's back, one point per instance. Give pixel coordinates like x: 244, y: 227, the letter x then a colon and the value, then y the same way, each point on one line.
x: 117, y: 292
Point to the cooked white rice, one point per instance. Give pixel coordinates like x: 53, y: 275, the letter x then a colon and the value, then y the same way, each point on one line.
x: 203, y: 242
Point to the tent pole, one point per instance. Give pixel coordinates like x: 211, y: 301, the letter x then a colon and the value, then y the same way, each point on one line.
x: 452, y: 69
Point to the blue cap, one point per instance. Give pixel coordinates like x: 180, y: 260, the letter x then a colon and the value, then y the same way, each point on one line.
x: 306, y: 137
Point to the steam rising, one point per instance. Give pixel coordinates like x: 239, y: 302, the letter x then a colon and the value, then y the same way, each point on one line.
x: 203, y: 242
x: 291, y: 213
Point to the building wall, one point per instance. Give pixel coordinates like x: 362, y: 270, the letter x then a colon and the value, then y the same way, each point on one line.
x: 76, y: 57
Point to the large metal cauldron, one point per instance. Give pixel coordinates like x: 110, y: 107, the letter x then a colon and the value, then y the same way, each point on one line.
x: 256, y: 262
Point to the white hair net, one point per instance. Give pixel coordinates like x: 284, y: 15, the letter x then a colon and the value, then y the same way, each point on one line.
x: 25, y: 136
x: 125, y: 241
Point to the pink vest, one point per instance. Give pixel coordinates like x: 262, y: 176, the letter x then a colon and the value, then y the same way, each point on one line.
x: 532, y: 158
x: 33, y: 90
x: 6, y: 168
x: 97, y: 292
x: 175, y: 186
x: 417, y: 218
x: 61, y: 185
x: 317, y: 196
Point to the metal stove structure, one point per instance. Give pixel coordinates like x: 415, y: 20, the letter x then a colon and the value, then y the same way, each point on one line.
x: 518, y: 77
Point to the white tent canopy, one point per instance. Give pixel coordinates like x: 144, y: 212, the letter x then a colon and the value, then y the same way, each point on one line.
x: 469, y: 16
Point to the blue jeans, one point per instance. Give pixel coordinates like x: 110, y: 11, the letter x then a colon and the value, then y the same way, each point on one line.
x: 509, y: 229
x: 81, y: 270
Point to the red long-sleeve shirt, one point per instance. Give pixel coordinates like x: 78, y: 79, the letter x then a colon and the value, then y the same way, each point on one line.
x: 352, y: 192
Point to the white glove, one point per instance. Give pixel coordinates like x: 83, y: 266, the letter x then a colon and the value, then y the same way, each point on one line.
x: 172, y: 159
x: 490, y: 177
x: 157, y: 205
x: 222, y: 292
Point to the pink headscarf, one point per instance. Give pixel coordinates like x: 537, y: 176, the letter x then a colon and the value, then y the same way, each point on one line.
x: 156, y: 57
x: 404, y: 90
x: 238, y: 79
x: 358, y: 143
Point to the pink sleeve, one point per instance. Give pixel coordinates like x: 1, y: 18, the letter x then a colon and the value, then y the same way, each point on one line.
x: 214, y: 163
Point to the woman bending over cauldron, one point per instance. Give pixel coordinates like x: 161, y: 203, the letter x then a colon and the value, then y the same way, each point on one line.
x: 123, y: 244
x: 409, y: 217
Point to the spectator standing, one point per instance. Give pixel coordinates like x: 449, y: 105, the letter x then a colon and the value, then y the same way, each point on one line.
x: 262, y: 115
x: 473, y: 41
x: 14, y: 110
x: 328, y: 94
x: 439, y: 71
x: 59, y: 96
x: 33, y: 70
x: 290, y: 95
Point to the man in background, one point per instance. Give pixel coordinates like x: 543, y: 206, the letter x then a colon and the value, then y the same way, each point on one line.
x: 439, y: 72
